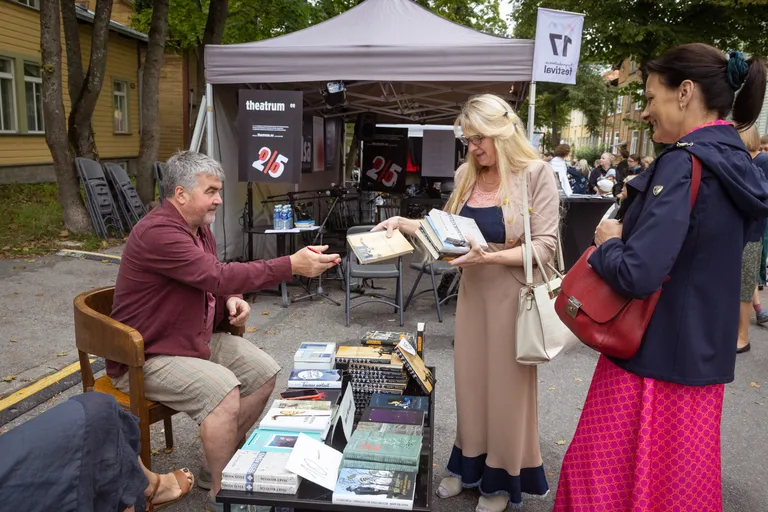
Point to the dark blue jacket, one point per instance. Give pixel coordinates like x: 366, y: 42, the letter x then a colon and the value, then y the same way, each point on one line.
x: 691, y: 338
x: 761, y: 162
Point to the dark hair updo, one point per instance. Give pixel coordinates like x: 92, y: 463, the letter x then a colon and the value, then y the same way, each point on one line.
x: 718, y: 80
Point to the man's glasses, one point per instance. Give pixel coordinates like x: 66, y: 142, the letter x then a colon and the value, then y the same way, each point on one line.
x: 474, y: 139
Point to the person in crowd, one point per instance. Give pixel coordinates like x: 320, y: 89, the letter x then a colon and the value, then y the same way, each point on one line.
x: 599, y: 171
x: 622, y: 166
x: 497, y: 443
x: 633, y: 166
x: 561, y: 168
x: 764, y: 143
x: 752, y: 255
x: 651, y: 423
x: 578, y: 177
x: 83, y: 454
x: 548, y: 156
x: 172, y: 288
x: 646, y: 162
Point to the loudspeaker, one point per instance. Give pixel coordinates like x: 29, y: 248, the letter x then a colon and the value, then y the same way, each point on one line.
x: 365, y: 127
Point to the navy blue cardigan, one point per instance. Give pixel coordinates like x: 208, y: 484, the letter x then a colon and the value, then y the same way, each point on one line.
x: 691, y: 338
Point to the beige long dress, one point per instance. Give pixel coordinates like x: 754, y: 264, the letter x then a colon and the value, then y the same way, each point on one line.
x: 497, y: 441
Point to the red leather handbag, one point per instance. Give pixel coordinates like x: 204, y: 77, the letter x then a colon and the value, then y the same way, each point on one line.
x: 601, y: 318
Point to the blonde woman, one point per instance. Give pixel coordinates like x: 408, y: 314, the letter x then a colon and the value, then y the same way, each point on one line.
x: 497, y: 443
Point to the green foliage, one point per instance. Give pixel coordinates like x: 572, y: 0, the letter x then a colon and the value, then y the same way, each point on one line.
x: 617, y: 29
x: 590, y: 154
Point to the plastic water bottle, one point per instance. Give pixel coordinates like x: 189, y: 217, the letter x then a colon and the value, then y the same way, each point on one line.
x: 276, y: 217
x: 289, y: 212
x: 284, y: 216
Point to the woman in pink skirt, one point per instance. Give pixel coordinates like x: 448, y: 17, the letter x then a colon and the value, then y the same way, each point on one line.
x: 649, y: 434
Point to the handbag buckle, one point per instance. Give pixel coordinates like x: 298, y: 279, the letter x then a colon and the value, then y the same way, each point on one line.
x: 573, y: 307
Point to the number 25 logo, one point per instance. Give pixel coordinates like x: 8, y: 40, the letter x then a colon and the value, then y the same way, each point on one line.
x: 270, y: 162
x: 383, y: 173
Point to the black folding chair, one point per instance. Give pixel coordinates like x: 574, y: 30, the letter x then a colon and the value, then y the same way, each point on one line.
x: 434, y: 269
x: 98, y: 199
x: 127, y: 197
x: 159, y: 175
x: 353, y: 269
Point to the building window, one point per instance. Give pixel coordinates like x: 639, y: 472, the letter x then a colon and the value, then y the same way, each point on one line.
x: 635, y: 140
x: 7, y: 96
x: 33, y: 85
x: 647, y: 150
x: 632, y: 65
x: 615, y: 141
x: 120, y: 100
x: 619, y: 104
x: 35, y: 4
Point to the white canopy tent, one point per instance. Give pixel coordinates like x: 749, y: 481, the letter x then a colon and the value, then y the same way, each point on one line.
x: 396, y: 59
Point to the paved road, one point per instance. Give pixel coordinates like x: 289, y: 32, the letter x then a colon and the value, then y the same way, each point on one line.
x: 42, y: 324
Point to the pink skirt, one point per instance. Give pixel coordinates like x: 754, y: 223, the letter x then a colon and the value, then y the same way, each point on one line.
x: 643, y: 445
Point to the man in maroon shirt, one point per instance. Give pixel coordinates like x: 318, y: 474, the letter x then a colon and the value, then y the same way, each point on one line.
x: 172, y: 288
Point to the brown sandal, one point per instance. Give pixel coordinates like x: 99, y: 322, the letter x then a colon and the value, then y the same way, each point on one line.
x: 184, y: 484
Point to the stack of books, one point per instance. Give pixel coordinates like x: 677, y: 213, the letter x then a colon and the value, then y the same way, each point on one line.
x: 315, y: 356
x: 255, y: 471
x: 445, y: 236
x: 372, y: 369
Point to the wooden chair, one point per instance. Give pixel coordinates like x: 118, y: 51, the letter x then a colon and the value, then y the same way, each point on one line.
x: 97, y: 334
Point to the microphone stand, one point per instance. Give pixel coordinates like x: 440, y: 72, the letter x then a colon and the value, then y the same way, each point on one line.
x: 319, y: 292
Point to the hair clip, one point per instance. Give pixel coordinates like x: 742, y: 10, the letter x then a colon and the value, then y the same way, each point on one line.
x: 506, y: 114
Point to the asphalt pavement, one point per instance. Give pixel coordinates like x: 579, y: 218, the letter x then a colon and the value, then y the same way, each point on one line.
x: 37, y: 338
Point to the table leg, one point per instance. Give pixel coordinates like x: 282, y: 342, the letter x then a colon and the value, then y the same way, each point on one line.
x: 227, y: 507
x: 284, y: 292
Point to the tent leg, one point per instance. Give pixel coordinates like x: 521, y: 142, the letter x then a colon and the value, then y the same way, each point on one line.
x: 531, y: 109
x: 197, y: 134
x: 209, y: 121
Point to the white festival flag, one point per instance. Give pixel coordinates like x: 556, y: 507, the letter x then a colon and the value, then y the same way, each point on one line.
x: 558, y: 45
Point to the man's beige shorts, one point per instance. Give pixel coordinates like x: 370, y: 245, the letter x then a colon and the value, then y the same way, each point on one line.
x: 196, y: 386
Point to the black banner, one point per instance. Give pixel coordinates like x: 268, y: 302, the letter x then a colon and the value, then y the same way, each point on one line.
x: 269, y: 126
x: 306, y: 145
x: 385, y: 159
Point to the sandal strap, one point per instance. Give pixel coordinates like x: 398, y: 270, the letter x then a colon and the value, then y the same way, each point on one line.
x: 150, y: 498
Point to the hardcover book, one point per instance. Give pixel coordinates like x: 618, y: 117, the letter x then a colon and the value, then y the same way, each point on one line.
x: 380, y: 415
x: 296, y: 420
x: 369, y: 355
x: 387, y: 338
x: 315, y: 379
x: 416, y: 367
x: 374, y: 246
x: 312, y: 405
x: 315, y: 356
x: 234, y: 485
x: 388, y: 401
x: 259, y: 467
x: 274, y: 440
x: 394, y: 428
x: 378, y: 447
x: 385, y: 466
x: 375, y: 488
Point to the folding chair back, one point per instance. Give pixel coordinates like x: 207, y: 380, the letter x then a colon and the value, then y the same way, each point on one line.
x: 159, y: 176
x: 101, y: 205
x: 130, y: 202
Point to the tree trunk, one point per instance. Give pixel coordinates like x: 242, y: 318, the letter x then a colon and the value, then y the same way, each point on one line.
x: 555, y: 128
x: 214, y: 33
x: 76, y: 217
x: 150, y: 92
x: 84, y: 90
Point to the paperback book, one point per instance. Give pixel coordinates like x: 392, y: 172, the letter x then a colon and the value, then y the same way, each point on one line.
x: 234, y: 485
x: 390, y: 401
x: 416, y: 367
x: 384, y: 466
x: 374, y: 246
x: 375, y: 488
x: 370, y: 355
x: 275, y: 440
x: 315, y: 379
x: 296, y: 420
x: 259, y: 467
x: 385, y: 338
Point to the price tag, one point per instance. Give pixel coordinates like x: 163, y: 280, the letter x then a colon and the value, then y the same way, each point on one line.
x: 407, y: 347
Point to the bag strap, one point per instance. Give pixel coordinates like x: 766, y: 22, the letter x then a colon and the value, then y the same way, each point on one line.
x: 529, y: 251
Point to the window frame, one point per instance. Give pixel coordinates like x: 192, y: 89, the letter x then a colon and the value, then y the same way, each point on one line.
x: 31, y: 4
x: 14, y: 96
x: 127, y: 113
x: 36, y: 81
x: 634, y: 141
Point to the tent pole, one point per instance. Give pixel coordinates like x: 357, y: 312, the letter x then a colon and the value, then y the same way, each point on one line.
x: 209, y: 120
x: 531, y: 109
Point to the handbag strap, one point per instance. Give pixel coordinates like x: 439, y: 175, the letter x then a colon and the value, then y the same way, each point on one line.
x: 529, y: 251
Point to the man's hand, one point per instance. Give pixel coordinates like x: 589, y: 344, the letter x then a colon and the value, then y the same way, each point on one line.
x: 311, y: 262
x: 238, y: 311
x: 475, y: 256
x: 407, y: 226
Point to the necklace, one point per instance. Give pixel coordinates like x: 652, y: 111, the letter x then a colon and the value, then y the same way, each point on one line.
x: 482, y: 177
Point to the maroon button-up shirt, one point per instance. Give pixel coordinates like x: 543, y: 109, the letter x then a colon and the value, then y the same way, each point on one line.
x: 164, y: 280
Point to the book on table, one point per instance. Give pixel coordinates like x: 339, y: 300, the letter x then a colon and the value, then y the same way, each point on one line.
x: 383, y: 447
x: 259, y: 469
x: 379, y: 415
x: 375, y: 488
x: 415, y: 366
x: 375, y: 246
x: 446, y: 236
x: 394, y: 401
x: 281, y: 441
x: 297, y: 420
x: 395, y: 428
x: 383, y: 338
x: 315, y: 379
x: 320, y: 356
x: 357, y: 354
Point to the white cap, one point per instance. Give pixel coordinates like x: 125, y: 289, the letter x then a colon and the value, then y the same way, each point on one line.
x: 605, y: 185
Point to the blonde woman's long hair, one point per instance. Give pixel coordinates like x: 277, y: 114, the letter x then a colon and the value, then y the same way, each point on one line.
x: 490, y: 116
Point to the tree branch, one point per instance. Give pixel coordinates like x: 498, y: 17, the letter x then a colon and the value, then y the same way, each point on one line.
x: 75, y: 73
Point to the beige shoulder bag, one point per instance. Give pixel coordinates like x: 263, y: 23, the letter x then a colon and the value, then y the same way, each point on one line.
x: 541, y: 335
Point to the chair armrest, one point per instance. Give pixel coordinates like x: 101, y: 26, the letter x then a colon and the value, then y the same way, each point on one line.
x: 100, y: 335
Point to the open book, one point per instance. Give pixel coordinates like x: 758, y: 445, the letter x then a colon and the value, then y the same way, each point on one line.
x: 374, y: 246
x: 445, y: 235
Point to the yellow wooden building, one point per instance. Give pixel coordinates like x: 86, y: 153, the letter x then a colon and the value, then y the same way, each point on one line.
x: 24, y: 155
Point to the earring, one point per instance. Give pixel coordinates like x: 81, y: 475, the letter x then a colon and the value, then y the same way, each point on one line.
x: 682, y: 107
